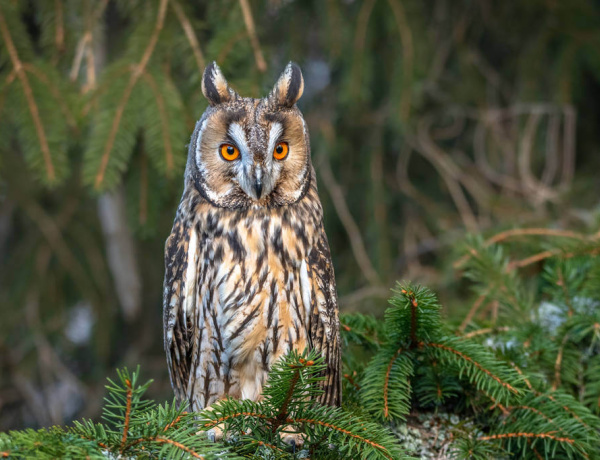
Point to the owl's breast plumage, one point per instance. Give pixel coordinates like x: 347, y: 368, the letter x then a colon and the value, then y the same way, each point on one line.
x: 247, y: 294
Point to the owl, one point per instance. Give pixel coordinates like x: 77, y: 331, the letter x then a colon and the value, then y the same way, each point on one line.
x: 248, y: 272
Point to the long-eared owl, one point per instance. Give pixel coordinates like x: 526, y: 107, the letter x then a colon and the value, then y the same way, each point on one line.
x: 248, y: 275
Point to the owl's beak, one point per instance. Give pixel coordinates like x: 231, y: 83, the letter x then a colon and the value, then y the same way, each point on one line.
x: 258, y: 187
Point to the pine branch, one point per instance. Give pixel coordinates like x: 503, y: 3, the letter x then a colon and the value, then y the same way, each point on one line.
x: 163, y: 119
x: 134, y: 77
x: 51, y: 175
x: 385, y: 386
x: 127, y: 413
x: 249, y: 21
x: 190, y: 35
x: 451, y: 347
x: 518, y: 232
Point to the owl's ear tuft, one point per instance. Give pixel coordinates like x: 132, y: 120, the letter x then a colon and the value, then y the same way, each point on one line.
x: 215, y: 87
x: 289, y: 87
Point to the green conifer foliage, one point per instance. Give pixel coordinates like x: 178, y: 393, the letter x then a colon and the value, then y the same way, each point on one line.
x: 420, y: 365
x: 135, y: 427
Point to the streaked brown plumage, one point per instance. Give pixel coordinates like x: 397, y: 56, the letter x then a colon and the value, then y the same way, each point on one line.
x: 248, y: 270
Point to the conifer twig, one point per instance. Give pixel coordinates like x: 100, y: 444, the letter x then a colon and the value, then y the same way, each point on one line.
x: 352, y: 381
x: 341, y: 430
x: 249, y: 21
x: 472, y: 312
x: 558, y: 362
x: 33, y: 108
x: 487, y: 330
x: 360, y: 37
x: 387, y: 382
x: 54, y: 90
x: 127, y: 414
x: 86, y: 40
x: 270, y: 446
x: 283, y: 410
x: 527, y: 435
x: 164, y: 440
x: 525, y: 379
x: 471, y: 360
x: 516, y: 232
x: 164, y: 120
x: 190, y: 35
x: 135, y: 75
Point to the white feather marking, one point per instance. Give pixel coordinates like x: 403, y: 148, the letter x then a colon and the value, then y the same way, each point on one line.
x: 197, y: 146
x: 189, y: 289
x: 305, y: 287
x: 274, y: 133
x: 251, y: 381
x: 239, y: 136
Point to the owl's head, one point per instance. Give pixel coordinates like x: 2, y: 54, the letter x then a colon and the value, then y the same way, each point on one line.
x: 249, y: 152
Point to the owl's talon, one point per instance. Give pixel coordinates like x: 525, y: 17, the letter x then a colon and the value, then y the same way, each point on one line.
x: 214, y: 434
x: 294, y: 440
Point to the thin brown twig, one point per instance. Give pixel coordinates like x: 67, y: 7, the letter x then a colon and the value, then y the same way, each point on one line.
x: 55, y: 92
x: 135, y: 75
x: 352, y: 381
x: 525, y: 379
x: 163, y: 440
x: 270, y: 446
x: 447, y: 169
x: 558, y: 362
x: 407, y: 55
x: 33, y: 108
x: 339, y: 203
x: 190, y: 35
x: 387, y: 381
x: 359, y: 42
x: 164, y: 120
x: 86, y: 39
x: 105, y: 85
x: 249, y: 21
x: 79, y: 52
x: 334, y: 427
x: 518, y: 232
x: 472, y: 312
x: 563, y: 285
x: 228, y: 46
x: 526, y: 435
x: 538, y: 456
x: 127, y: 414
x: 487, y: 330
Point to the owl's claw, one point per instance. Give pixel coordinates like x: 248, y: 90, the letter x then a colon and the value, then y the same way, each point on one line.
x: 294, y: 440
x: 214, y: 434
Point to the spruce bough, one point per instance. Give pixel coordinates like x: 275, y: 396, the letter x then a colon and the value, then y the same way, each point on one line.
x: 411, y: 363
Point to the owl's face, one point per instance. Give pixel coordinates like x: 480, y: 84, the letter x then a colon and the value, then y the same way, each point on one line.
x: 251, y: 152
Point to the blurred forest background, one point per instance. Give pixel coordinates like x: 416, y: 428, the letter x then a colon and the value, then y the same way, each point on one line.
x: 428, y: 119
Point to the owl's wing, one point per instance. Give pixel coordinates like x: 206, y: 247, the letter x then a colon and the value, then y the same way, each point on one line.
x: 179, y: 309
x: 324, y: 327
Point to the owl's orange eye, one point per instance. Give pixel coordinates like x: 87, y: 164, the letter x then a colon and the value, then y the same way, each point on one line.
x: 280, y: 151
x: 229, y: 152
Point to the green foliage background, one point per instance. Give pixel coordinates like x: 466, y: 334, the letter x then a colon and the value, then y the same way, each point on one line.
x: 428, y: 119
